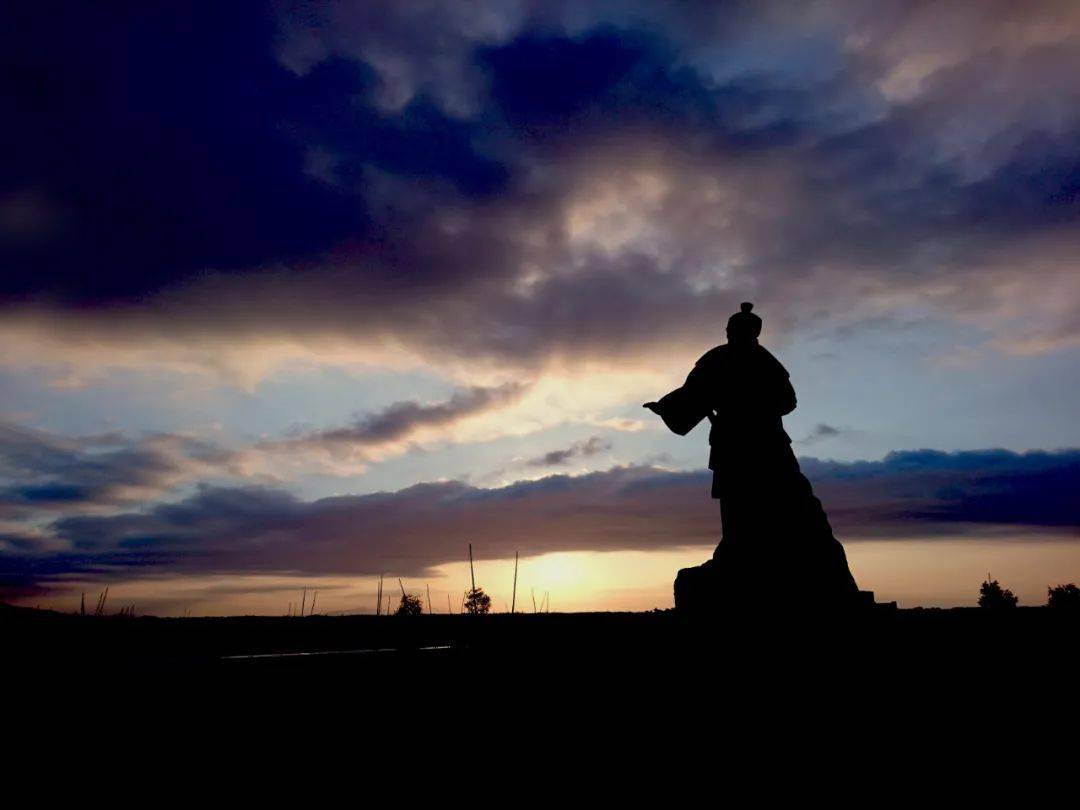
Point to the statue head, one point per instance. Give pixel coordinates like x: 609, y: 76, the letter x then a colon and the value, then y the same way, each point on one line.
x: 744, y: 326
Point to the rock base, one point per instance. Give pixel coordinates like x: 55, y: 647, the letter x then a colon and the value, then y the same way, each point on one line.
x: 741, y: 584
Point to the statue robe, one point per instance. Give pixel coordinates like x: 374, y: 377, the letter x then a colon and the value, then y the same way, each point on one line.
x: 743, y: 390
x: 774, y: 528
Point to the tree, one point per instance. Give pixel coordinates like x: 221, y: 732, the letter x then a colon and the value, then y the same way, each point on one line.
x: 409, y: 606
x: 992, y: 595
x: 1064, y: 596
x: 477, y: 602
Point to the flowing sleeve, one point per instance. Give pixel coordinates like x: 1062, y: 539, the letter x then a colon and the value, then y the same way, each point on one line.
x: 687, y: 405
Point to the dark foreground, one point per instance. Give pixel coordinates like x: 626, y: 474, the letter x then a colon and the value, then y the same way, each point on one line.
x: 647, y: 706
x: 756, y: 685
x: 881, y: 644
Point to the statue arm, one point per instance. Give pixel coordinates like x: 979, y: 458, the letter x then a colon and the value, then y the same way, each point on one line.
x: 687, y: 405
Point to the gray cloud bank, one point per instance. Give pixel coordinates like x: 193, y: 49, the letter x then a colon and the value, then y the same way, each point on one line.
x: 257, y: 529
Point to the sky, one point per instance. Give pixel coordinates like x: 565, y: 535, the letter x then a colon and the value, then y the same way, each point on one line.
x: 293, y: 295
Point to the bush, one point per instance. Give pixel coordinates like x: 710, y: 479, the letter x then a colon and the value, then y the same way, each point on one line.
x: 409, y: 606
x: 1064, y: 597
x: 477, y: 602
x: 992, y: 595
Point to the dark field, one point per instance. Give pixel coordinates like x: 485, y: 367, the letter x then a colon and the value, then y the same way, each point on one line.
x: 991, y: 643
x: 634, y: 680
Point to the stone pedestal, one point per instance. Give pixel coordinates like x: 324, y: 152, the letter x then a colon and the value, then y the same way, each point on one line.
x: 738, y: 579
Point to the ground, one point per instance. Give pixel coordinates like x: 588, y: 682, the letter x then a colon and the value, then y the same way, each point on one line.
x: 982, y: 642
x: 757, y: 687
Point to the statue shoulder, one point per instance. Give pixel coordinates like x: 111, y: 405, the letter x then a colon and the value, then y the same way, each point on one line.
x: 713, y: 357
x: 770, y: 359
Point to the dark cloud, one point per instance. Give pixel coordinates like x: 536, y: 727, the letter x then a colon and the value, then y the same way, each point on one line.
x: 43, y: 472
x: 907, y: 494
x: 933, y: 488
x: 537, y: 181
x: 402, y: 420
x: 820, y: 431
x: 582, y: 449
x: 165, y: 161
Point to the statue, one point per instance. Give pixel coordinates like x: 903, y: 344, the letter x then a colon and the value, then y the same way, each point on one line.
x: 777, y: 546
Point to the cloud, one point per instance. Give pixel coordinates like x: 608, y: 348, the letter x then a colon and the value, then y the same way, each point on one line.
x: 262, y: 530
x: 415, y: 188
x: 404, y: 421
x: 42, y: 473
x: 821, y: 431
x: 582, y: 449
x: 943, y: 491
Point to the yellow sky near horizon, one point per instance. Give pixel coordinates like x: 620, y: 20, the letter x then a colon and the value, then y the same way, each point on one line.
x: 912, y: 572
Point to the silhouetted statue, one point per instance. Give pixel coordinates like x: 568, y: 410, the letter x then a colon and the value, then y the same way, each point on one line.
x: 777, y: 546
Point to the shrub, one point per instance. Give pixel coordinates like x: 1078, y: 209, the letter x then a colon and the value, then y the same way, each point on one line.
x: 1064, y: 596
x: 409, y: 606
x: 477, y: 602
x: 992, y: 595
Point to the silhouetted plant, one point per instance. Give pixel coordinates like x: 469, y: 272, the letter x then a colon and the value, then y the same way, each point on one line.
x: 409, y: 606
x: 1064, y: 597
x: 477, y: 602
x: 992, y: 595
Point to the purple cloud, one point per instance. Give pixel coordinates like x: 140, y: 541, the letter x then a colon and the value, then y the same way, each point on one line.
x: 582, y: 449
x: 254, y: 529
